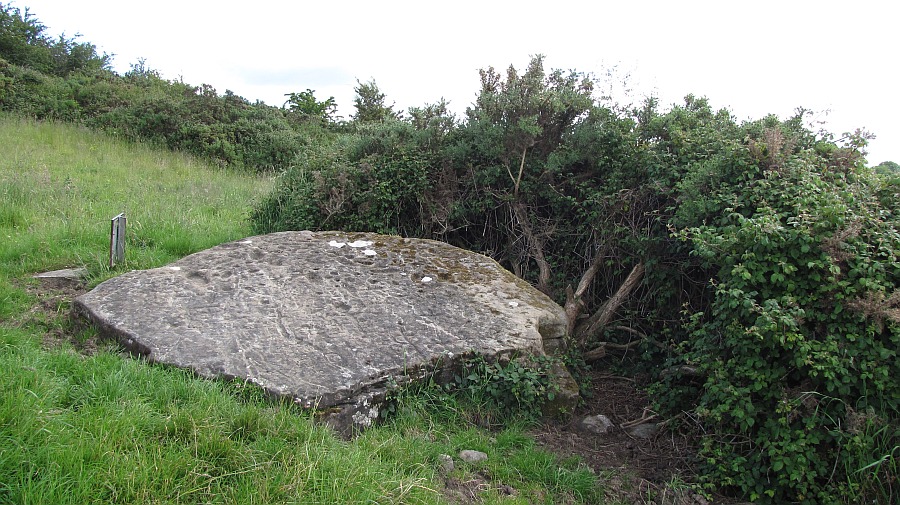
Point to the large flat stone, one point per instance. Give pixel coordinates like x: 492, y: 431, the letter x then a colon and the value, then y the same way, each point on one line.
x: 328, y: 319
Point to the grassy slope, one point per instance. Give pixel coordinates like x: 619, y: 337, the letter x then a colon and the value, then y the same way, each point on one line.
x: 107, y: 429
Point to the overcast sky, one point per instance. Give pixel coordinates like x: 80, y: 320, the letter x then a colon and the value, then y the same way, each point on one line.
x: 753, y: 58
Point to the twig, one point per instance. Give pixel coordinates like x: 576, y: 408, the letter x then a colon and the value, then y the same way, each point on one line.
x: 616, y: 377
x: 521, y: 171
x: 643, y: 419
x: 642, y: 336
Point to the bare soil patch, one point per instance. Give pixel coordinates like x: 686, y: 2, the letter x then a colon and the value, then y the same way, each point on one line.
x: 53, y: 312
x: 636, y: 469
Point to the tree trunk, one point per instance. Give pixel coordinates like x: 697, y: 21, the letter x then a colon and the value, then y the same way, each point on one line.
x: 597, y: 322
x: 574, y: 303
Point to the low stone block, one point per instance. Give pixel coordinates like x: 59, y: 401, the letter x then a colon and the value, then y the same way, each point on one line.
x: 330, y: 320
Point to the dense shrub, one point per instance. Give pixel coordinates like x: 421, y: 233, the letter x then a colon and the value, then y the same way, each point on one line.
x: 25, y: 43
x: 768, y: 306
x: 796, y: 355
x: 374, y: 178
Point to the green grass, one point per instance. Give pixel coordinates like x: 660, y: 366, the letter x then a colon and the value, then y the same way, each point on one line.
x: 105, y: 428
x: 61, y: 185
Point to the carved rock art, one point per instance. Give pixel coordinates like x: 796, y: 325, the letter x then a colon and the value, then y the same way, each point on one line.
x: 327, y: 319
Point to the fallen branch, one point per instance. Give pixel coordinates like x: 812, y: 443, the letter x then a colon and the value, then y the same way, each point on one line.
x: 600, y: 350
x: 614, y: 377
x: 594, y: 355
x: 643, y: 419
x: 685, y: 370
x: 642, y: 336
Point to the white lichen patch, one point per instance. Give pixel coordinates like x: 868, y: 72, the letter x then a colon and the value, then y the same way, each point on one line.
x: 365, y: 419
x: 361, y: 243
x: 245, y: 242
x: 427, y: 279
x: 513, y: 304
x: 175, y: 268
x: 369, y: 252
x: 335, y: 243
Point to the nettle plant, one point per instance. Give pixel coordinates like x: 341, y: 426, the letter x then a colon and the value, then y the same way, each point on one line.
x: 510, y: 387
x: 796, y: 357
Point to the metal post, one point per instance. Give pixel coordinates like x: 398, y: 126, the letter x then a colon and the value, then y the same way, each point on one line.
x: 117, y: 240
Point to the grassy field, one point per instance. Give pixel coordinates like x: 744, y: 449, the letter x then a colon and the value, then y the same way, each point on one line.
x: 100, y: 427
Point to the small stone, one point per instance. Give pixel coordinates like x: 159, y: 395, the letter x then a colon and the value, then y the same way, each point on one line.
x: 446, y: 462
x: 566, y: 393
x: 645, y: 431
x: 76, y: 274
x: 61, y: 278
x: 598, y: 424
x: 470, y: 456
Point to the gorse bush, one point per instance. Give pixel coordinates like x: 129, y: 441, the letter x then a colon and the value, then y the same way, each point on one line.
x: 752, y: 264
x: 375, y: 177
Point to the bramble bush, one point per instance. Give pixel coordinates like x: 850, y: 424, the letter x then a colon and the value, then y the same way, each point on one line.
x: 796, y: 355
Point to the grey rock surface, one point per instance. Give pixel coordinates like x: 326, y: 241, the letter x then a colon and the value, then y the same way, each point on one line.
x: 645, y: 431
x: 566, y: 393
x: 328, y: 319
x: 470, y: 456
x: 598, y: 424
x: 64, y: 277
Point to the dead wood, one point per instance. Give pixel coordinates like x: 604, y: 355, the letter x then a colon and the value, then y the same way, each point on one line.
x: 535, y: 248
x: 600, y: 350
x: 600, y: 319
x: 574, y: 302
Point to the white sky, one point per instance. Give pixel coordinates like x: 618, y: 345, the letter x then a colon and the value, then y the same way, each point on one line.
x: 753, y: 58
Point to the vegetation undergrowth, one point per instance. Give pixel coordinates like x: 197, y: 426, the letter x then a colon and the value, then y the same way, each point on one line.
x: 468, y: 412
x: 491, y: 393
x: 104, y: 428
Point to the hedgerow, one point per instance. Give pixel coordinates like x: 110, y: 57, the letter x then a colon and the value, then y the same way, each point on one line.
x: 752, y: 266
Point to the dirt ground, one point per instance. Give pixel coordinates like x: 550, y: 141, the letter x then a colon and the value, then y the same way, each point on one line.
x: 635, y: 469
x: 641, y: 470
